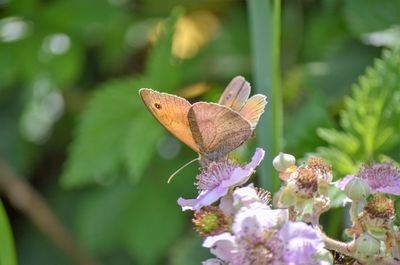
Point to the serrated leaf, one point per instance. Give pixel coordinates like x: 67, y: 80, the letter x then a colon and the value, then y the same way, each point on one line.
x: 345, y: 142
x: 98, y: 149
x: 144, y: 133
x: 370, y: 120
x: 115, y: 128
x: 341, y: 161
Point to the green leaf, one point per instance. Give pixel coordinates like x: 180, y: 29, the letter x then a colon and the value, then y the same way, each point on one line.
x: 116, y: 134
x: 136, y: 158
x: 7, y: 253
x: 370, y: 120
x: 98, y: 149
x: 347, y: 142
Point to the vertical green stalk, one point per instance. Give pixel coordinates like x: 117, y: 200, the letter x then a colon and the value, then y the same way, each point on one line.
x: 265, y: 30
x: 7, y: 249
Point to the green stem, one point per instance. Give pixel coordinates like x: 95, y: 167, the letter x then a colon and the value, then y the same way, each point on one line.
x: 276, y: 104
x: 265, y: 30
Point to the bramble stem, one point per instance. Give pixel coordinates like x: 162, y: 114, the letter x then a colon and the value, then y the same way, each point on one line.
x: 349, y: 249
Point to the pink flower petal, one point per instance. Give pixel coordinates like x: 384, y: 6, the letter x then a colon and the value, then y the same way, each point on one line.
x: 206, y: 197
x: 226, y: 205
x: 341, y: 184
x: 241, y: 175
x: 212, y: 262
x: 223, y: 246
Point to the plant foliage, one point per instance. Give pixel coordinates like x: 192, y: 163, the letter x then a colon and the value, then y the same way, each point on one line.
x: 116, y: 128
x: 370, y: 121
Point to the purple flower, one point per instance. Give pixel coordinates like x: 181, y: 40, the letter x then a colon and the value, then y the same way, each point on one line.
x: 301, y: 243
x: 215, y: 181
x: 264, y: 236
x: 342, y: 183
x: 384, y: 177
x: 246, y: 197
x: 224, y: 246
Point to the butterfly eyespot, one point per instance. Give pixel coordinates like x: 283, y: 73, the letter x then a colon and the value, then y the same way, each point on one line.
x: 158, y: 106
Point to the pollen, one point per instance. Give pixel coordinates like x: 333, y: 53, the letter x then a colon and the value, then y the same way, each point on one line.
x: 319, y: 164
x: 307, y: 179
x: 380, y: 207
x: 214, y: 174
x: 210, y: 221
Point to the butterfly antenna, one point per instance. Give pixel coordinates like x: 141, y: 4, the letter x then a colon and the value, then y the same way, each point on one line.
x: 179, y: 169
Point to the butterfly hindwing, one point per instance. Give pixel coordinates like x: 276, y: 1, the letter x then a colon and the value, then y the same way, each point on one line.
x: 217, y: 130
x: 235, y: 94
x: 253, y: 108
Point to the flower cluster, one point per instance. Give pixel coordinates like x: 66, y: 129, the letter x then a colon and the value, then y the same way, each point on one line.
x: 239, y: 225
x: 261, y: 235
x: 242, y: 224
x: 373, y: 210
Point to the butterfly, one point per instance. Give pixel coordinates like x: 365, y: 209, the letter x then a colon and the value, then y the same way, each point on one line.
x: 211, y: 129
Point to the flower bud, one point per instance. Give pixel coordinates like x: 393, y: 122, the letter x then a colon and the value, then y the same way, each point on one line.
x: 324, y: 257
x: 367, y: 246
x: 283, y: 161
x: 357, y: 189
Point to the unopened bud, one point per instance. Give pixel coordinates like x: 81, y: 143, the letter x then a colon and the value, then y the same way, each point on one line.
x: 357, y: 189
x: 324, y: 257
x: 283, y: 161
x: 367, y: 246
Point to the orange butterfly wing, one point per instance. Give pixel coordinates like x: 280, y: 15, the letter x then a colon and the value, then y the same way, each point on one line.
x: 253, y: 108
x: 172, y: 112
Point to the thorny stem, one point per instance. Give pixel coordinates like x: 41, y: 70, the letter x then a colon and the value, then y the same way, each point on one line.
x: 26, y: 199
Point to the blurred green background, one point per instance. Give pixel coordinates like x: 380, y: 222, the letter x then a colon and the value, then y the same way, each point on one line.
x: 73, y: 128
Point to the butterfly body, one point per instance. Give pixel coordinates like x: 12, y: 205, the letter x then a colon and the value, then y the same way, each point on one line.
x: 210, y: 129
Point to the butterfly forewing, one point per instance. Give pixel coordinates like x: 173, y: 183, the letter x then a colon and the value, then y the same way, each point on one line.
x: 253, y: 108
x: 172, y: 112
x: 235, y: 94
x: 217, y: 130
